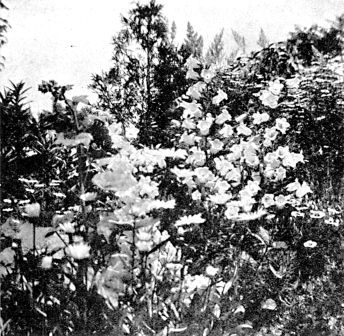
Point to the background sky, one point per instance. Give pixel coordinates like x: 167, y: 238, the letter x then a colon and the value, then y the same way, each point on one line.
x: 68, y: 40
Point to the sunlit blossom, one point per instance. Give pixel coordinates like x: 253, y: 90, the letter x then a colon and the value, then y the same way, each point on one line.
x: 208, y: 74
x: 78, y: 251
x: 269, y: 99
x: 47, y: 262
x: 223, y: 117
x: 268, y: 200
x: 243, y: 129
x: 195, y: 91
x: 259, y: 118
x: 310, y: 244
x: 280, y: 201
x: 226, y: 131
x: 187, y: 220
x: 204, y: 126
x: 32, y: 210
x: 221, y: 95
x: 282, y: 125
x: 316, y: 214
x: 220, y: 198
x: 211, y: 271
x: 303, y: 190
x: 215, y: 146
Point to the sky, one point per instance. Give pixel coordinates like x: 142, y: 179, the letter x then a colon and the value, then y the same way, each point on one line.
x: 69, y: 40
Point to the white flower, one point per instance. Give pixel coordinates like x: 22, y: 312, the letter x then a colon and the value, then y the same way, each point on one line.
x: 47, y: 262
x: 188, y: 139
x: 280, y: 201
x: 204, y: 126
x: 221, y: 95
x: 208, y: 74
x: 195, y: 91
x: 275, y: 87
x: 293, y: 83
x: 223, y: 117
x: 78, y: 251
x: 211, y: 271
x: 310, y: 244
x: 303, y: 190
x: 32, y: 210
x: 192, y: 109
x: 215, y: 146
x: 196, y: 195
x: 259, y: 118
x: 187, y: 220
x: 220, y: 198
x: 226, y: 131
x: 282, y: 125
x: 268, y: 200
x: 188, y: 124
x: 316, y: 214
x: 271, y: 134
x: 243, y: 129
x: 269, y: 99
x: 232, y: 211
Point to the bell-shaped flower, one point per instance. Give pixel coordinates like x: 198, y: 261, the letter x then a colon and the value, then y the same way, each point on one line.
x: 221, y: 95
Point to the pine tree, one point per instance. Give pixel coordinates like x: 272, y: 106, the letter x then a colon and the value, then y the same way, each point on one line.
x: 215, y: 52
x: 263, y: 41
x: 240, y: 41
x: 193, y: 43
x: 173, y: 31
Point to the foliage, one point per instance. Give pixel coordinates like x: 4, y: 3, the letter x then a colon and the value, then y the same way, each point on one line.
x: 4, y: 25
x: 143, y: 84
x: 193, y: 43
x: 215, y: 54
x: 224, y: 227
x: 309, y: 44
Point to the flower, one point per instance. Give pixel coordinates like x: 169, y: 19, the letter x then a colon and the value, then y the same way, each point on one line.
x: 316, y: 214
x: 282, y: 125
x: 211, y: 271
x: 280, y: 201
x: 215, y: 146
x: 310, y: 244
x: 268, y: 200
x: 78, y: 250
x: 243, y: 129
x: 187, y: 220
x: 226, y: 131
x: 259, y: 118
x: 275, y: 87
x: 221, y: 95
x: 223, y: 117
x: 269, y: 99
x: 204, y: 126
x: 303, y: 190
x: 195, y: 91
x: 232, y: 210
x: 47, y: 262
x: 32, y: 210
x: 119, y: 180
x: 208, y: 74
x: 220, y: 198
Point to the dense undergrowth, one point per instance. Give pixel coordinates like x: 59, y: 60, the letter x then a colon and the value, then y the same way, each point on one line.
x: 232, y: 226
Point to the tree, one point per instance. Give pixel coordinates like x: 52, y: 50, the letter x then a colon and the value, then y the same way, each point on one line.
x: 263, y: 41
x: 215, y: 52
x: 147, y: 74
x: 193, y: 43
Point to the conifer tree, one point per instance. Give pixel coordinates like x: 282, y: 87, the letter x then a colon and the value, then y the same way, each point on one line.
x: 193, y: 43
x: 215, y: 52
x: 263, y: 41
